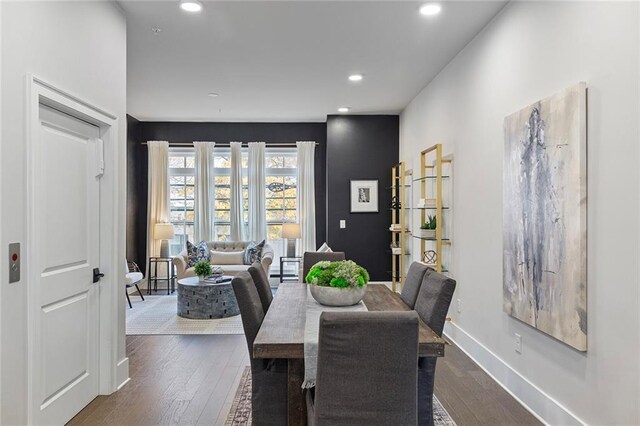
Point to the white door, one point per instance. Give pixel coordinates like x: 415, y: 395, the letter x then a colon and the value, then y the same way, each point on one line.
x: 64, y: 301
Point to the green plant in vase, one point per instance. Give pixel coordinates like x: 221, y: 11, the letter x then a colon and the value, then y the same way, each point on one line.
x: 341, y: 283
x: 428, y: 229
x: 202, y: 269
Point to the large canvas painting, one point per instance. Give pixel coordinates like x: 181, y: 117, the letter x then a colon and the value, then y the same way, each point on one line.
x: 545, y: 211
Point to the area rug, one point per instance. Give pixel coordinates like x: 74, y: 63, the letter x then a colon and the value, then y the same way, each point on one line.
x: 157, y: 315
x: 240, y: 413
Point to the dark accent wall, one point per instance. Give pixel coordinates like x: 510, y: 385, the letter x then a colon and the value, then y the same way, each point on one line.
x: 137, y: 178
x: 361, y: 147
x: 269, y: 133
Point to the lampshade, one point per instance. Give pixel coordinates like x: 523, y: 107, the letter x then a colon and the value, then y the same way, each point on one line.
x: 163, y: 231
x: 291, y: 230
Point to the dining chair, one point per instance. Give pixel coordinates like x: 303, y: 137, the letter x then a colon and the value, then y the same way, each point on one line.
x: 268, y: 376
x: 366, y: 370
x: 261, y: 280
x: 310, y: 258
x: 432, y: 304
x: 412, y: 283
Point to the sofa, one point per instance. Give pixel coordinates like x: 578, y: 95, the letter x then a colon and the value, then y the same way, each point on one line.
x: 230, y: 263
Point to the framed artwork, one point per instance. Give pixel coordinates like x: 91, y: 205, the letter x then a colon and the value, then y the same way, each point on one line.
x: 545, y: 216
x: 364, y: 196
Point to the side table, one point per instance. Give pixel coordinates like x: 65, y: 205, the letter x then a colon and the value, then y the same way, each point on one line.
x: 170, y: 278
x: 290, y: 277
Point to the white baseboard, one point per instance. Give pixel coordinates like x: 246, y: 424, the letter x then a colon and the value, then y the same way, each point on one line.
x: 122, y: 373
x: 535, y: 400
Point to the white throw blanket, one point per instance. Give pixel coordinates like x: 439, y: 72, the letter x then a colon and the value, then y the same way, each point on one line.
x: 311, y: 333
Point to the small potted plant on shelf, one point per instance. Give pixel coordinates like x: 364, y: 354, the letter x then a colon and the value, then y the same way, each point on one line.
x: 341, y: 283
x: 428, y: 229
x: 202, y: 270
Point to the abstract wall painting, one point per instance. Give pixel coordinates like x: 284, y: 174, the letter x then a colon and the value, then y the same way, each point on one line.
x: 545, y: 216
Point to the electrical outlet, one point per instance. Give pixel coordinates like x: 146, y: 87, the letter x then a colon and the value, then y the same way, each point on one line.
x: 518, y: 343
x: 459, y: 305
x: 343, y: 224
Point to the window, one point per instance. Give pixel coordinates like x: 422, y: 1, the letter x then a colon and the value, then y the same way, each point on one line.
x: 280, y: 194
x: 222, y: 192
x: 181, y: 196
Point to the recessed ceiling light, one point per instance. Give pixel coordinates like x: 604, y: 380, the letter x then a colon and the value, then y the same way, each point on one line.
x: 191, y: 5
x: 356, y: 77
x: 343, y: 109
x: 430, y: 9
x: 213, y: 95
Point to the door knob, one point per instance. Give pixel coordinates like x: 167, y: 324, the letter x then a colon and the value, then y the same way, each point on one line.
x: 97, y: 275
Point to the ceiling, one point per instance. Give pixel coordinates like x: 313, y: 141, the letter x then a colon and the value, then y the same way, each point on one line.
x: 288, y: 61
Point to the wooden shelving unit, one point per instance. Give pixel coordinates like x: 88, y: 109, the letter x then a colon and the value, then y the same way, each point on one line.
x: 431, y: 178
x: 399, y: 228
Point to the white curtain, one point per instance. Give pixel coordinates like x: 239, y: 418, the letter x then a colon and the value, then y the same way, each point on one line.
x: 307, y: 195
x: 203, y: 208
x: 257, y: 209
x: 158, y: 196
x: 236, y: 192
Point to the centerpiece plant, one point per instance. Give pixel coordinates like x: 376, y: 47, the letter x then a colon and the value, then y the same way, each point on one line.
x: 340, y: 283
x: 202, y: 269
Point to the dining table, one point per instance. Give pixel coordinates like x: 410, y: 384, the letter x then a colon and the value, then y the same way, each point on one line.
x: 281, y: 335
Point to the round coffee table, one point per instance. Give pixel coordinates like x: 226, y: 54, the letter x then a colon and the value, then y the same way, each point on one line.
x: 206, y: 300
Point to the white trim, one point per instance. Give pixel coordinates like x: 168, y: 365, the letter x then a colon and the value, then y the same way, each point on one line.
x: 111, y: 242
x: 122, y: 373
x: 2, y: 242
x: 546, y: 409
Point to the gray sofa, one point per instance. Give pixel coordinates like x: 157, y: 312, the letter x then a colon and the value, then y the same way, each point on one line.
x: 180, y: 261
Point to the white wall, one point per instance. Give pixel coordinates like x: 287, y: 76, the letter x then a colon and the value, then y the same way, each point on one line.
x: 80, y: 47
x: 529, y: 51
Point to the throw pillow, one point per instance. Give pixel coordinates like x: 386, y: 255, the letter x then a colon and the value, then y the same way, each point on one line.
x: 227, y: 257
x: 197, y: 253
x: 253, y: 252
x: 324, y: 248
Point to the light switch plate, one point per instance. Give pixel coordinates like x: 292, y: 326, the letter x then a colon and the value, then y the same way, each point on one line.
x: 343, y: 224
x: 14, y: 262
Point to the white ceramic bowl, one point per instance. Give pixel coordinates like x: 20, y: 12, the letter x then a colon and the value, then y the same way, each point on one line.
x: 333, y: 296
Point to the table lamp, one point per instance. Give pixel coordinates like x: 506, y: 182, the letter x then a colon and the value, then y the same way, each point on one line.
x: 291, y: 231
x: 164, y: 232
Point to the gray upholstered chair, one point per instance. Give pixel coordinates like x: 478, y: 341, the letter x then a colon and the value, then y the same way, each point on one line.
x: 310, y: 258
x: 412, y: 283
x: 261, y: 280
x: 432, y: 304
x: 269, y: 376
x: 366, y: 371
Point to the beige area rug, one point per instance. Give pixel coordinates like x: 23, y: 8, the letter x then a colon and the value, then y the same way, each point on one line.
x: 240, y: 413
x: 157, y: 315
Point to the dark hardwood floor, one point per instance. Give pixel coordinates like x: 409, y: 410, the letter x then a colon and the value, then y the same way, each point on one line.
x: 472, y: 397
x: 192, y: 379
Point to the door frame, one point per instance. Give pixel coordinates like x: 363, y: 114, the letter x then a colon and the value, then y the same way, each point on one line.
x: 112, y: 373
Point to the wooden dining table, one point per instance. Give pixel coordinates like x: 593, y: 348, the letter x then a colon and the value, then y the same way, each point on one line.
x: 282, y: 336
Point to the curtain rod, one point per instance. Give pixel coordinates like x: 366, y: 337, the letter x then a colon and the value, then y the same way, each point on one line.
x: 227, y: 145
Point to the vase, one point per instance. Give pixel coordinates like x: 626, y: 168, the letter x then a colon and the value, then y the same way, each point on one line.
x: 201, y: 278
x: 428, y: 233
x: 335, y: 296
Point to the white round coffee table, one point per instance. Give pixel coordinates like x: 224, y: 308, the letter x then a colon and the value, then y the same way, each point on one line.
x: 206, y: 300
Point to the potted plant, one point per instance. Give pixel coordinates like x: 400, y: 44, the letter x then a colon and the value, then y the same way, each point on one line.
x: 202, y: 269
x: 341, y: 283
x: 428, y: 229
